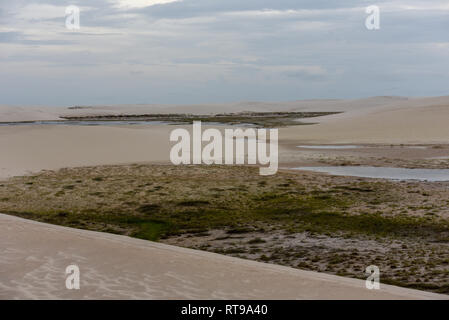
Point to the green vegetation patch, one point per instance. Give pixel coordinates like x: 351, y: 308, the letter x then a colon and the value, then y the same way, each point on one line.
x: 126, y: 201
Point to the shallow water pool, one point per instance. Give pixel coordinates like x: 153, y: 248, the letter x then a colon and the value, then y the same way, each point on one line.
x: 433, y: 175
x: 81, y: 123
x: 330, y: 147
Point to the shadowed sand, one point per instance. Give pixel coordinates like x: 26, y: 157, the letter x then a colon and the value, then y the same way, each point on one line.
x: 34, y: 257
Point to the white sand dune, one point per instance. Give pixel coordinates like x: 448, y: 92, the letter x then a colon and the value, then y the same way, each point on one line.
x: 30, y: 113
x: 424, y: 120
x: 34, y: 256
x: 29, y: 149
x: 371, y: 120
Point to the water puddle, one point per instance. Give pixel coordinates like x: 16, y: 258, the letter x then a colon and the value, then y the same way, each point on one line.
x: 432, y: 175
x: 81, y: 123
x: 115, y: 123
x: 330, y: 147
x: 439, y: 158
x: 349, y: 146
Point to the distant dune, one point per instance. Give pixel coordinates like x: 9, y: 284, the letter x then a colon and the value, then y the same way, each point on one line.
x: 30, y: 113
x: 390, y: 120
x: 395, y: 121
x: 370, y: 120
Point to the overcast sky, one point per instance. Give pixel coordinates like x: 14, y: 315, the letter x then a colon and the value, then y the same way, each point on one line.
x: 199, y: 51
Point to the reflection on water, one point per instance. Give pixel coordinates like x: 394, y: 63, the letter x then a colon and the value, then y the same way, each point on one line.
x: 384, y: 172
x: 350, y: 146
x: 330, y: 147
x: 81, y: 123
x: 115, y: 123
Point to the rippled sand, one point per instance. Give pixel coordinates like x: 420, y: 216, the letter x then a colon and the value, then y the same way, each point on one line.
x: 33, y: 258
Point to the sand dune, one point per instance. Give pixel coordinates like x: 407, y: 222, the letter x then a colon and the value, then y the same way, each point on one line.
x: 34, y: 257
x: 30, y: 113
x: 371, y: 120
x: 428, y: 124
x: 386, y: 120
x: 34, y: 148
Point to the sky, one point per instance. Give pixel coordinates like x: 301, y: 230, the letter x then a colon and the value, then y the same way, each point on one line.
x: 206, y: 51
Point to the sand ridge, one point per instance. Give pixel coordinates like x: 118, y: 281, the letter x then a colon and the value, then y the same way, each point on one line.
x: 35, y: 255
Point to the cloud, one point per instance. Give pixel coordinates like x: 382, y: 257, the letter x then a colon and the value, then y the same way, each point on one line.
x: 9, y: 36
x: 401, y: 5
x: 220, y: 50
x: 20, y: 38
x: 36, y: 11
x: 132, y: 4
x: 270, y: 13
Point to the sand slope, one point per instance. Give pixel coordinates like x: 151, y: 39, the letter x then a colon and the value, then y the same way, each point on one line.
x: 33, y: 258
x: 33, y: 148
x: 28, y: 113
x: 423, y: 120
